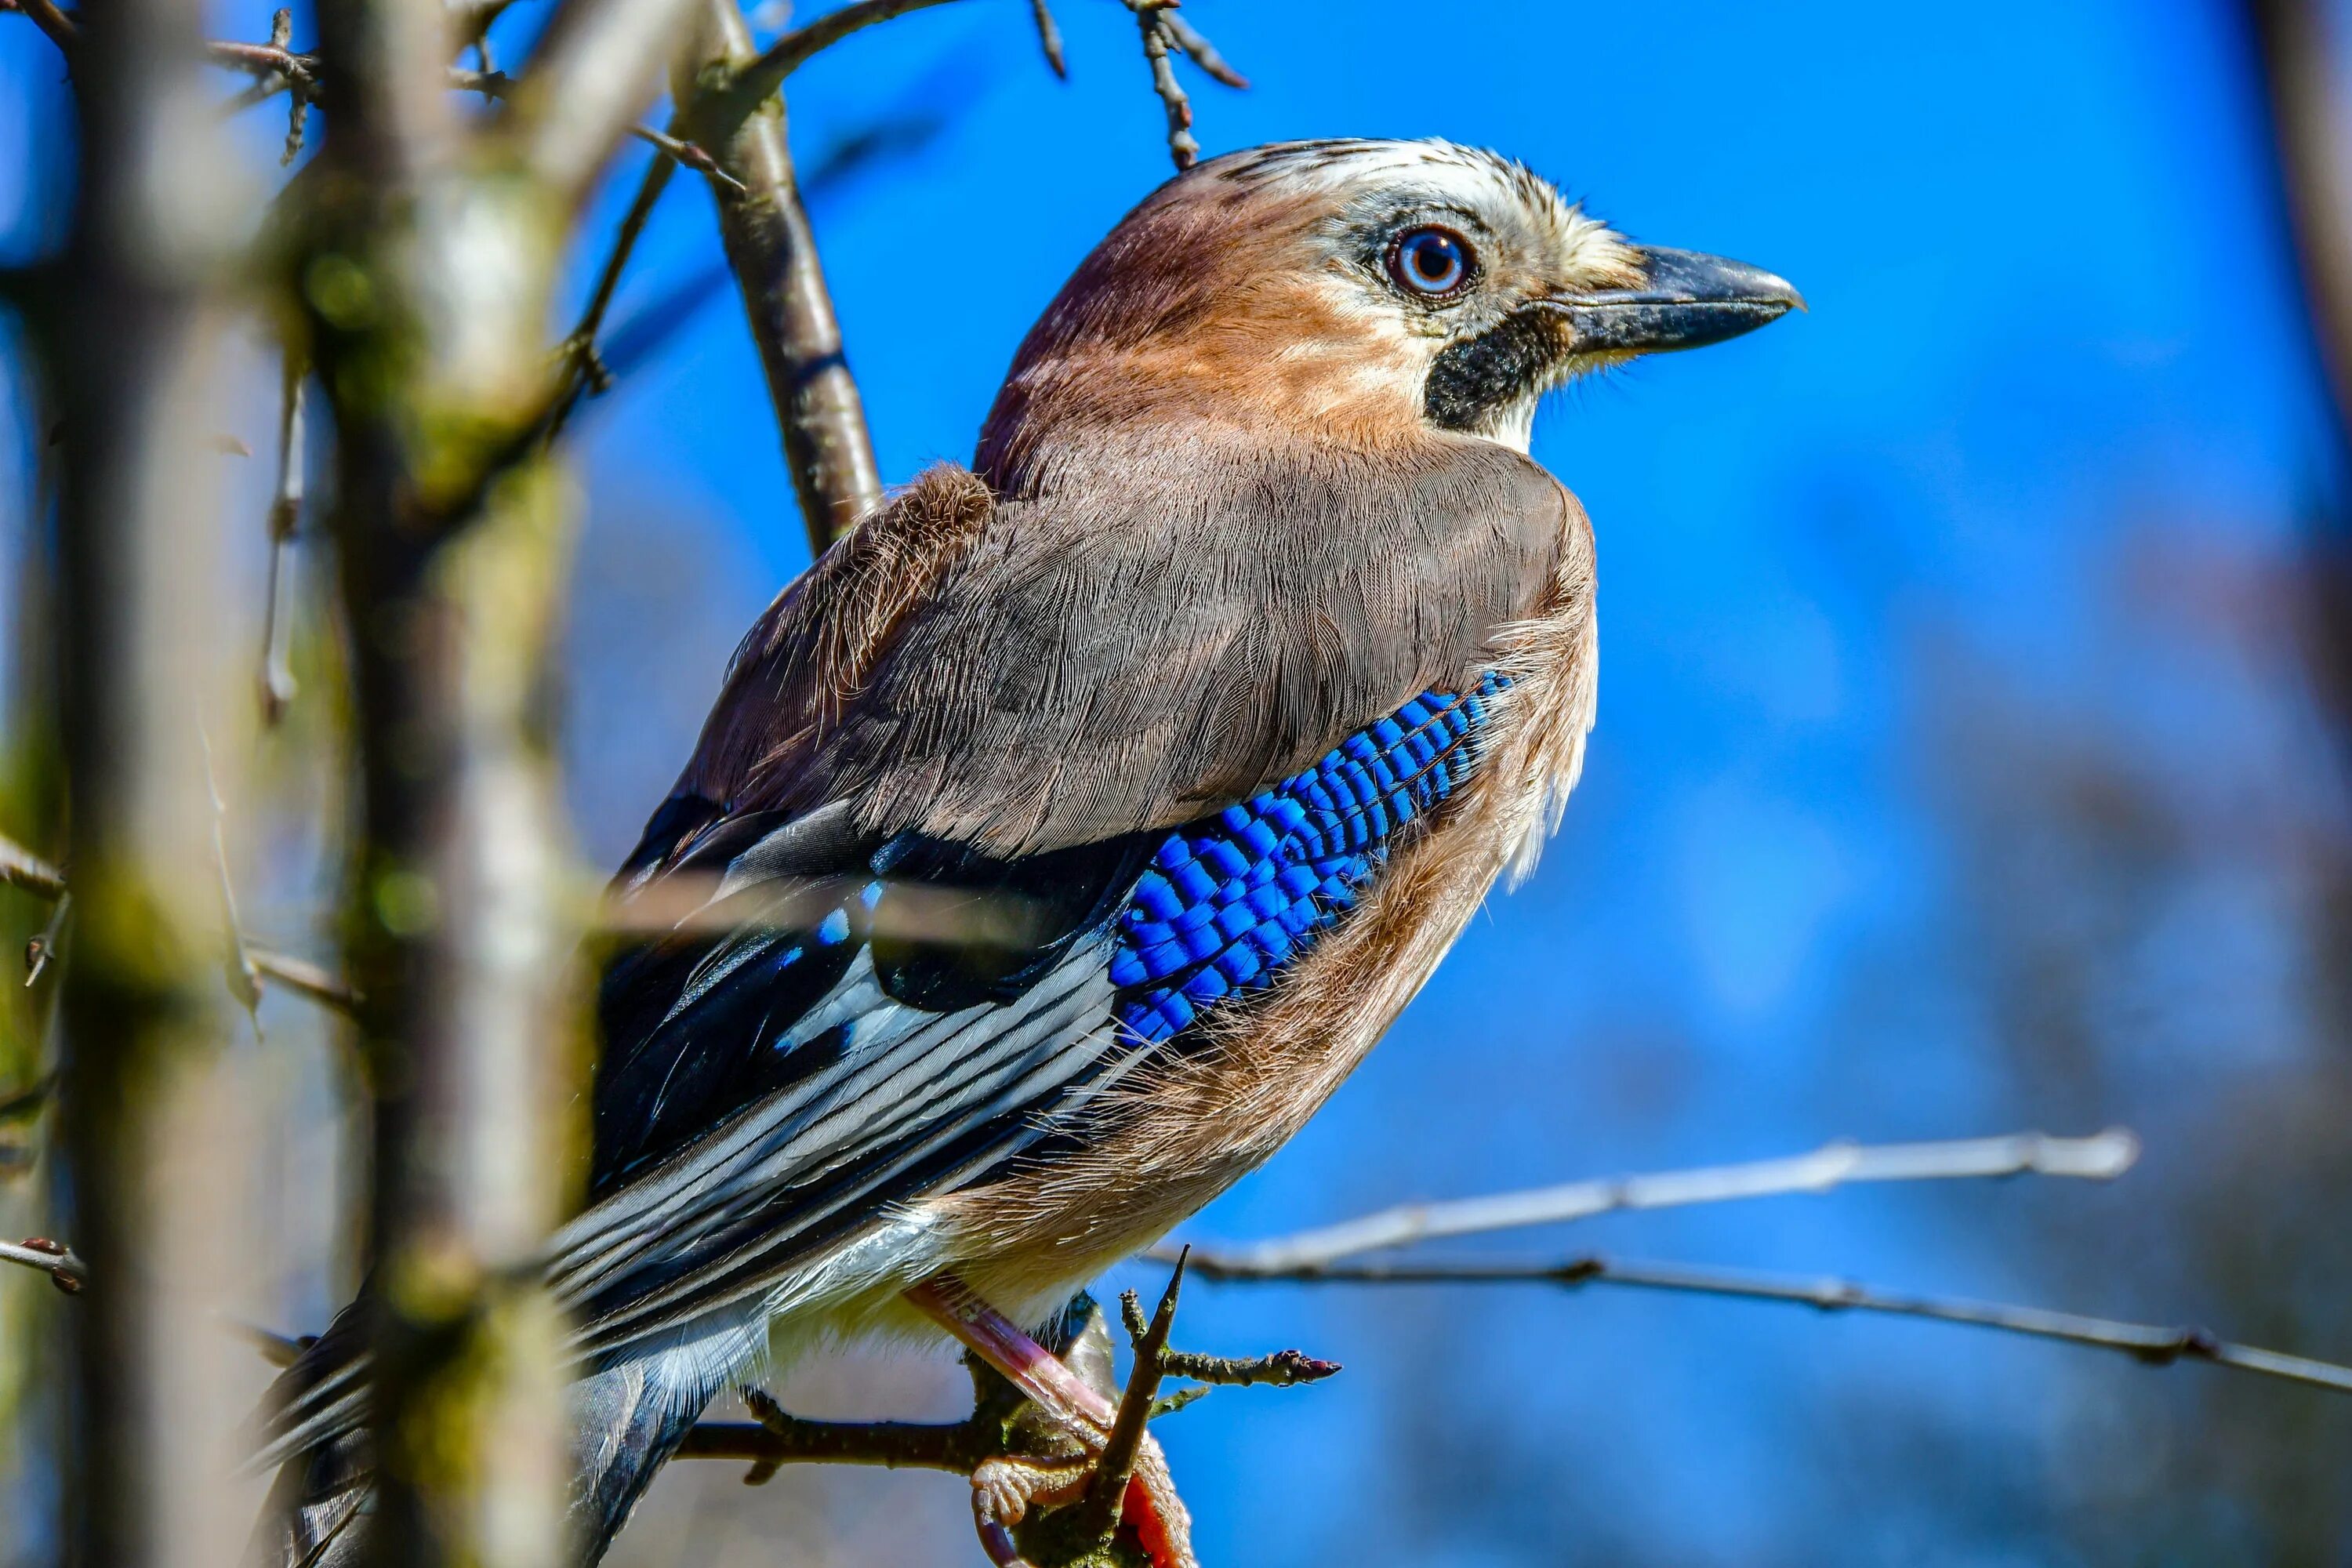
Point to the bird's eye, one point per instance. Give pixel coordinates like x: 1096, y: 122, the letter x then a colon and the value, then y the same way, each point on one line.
x: 1430, y: 260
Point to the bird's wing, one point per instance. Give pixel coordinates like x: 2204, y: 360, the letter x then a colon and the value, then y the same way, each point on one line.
x: 995, y: 800
x: 1207, y: 616
x: 937, y: 785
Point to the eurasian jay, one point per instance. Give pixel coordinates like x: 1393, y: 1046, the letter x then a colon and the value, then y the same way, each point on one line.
x: 1073, y: 827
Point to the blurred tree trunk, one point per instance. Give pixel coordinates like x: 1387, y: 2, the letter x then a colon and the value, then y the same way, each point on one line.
x: 144, y: 1007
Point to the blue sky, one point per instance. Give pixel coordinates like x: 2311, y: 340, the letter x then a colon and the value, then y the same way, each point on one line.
x: 2051, y: 391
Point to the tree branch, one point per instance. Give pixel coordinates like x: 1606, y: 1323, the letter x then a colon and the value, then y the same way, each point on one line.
x: 2100, y: 1157
x: 774, y: 255
x: 1151, y: 15
x: 2148, y: 1344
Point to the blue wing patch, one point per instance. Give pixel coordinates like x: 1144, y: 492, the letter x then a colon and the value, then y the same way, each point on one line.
x: 1228, y: 900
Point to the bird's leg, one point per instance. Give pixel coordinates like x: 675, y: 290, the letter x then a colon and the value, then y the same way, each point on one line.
x: 1004, y: 1490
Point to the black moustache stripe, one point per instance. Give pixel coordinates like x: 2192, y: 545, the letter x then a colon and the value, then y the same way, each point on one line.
x: 1475, y: 377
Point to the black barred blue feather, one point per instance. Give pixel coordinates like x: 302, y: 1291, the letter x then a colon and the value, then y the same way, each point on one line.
x: 815, y: 1030
x: 1231, y: 901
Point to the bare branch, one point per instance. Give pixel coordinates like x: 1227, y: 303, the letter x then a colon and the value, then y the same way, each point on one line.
x: 1283, y: 1368
x: 44, y: 947
x: 585, y: 372
x: 2100, y: 1157
x: 690, y: 154
x: 780, y: 1437
x: 1151, y: 16
x: 1187, y: 38
x: 277, y: 682
x: 2149, y: 1343
x: 773, y: 253
x: 20, y: 868
x: 1049, y: 38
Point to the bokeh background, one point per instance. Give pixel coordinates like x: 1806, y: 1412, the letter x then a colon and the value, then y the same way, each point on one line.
x: 1970, y: 759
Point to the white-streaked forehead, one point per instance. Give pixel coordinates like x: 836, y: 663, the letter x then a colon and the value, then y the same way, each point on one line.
x: 1442, y: 172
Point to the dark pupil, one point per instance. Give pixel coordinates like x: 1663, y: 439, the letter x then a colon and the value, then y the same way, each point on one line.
x: 1431, y: 258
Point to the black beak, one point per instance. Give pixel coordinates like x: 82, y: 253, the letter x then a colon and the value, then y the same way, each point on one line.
x: 1685, y: 301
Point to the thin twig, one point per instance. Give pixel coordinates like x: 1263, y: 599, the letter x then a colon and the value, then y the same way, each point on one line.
x: 686, y: 153
x: 2149, y: 1343
x: 44, y: 947
x: 20, y: 868
x: 1151, y: 16
x: 278, y: 686
x: 1283, y: 1368
x: 67, y: 1271
x: 1187, y: 38
x: 779, y: 1437
x: 244, y: 976
x: 593, y: 72
x: 305, y: 979
x: 585, y: 373
x: 2100, y: 1157
x: 1049, y: 38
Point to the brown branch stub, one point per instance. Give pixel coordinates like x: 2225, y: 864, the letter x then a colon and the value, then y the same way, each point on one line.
x: 1151, y: 16
x: 1283, y: 1368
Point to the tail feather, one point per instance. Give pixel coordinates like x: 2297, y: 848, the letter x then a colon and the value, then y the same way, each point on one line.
x: 627, y: 1420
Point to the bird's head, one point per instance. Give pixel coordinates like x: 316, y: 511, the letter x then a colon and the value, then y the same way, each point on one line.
x: 1356, y: 291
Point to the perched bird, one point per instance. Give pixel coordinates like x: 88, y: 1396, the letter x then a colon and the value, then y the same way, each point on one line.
x: 1076, y: 824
